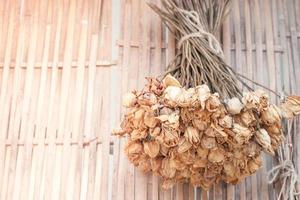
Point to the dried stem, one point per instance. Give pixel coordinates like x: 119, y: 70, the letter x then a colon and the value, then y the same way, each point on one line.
x: 199, y: 59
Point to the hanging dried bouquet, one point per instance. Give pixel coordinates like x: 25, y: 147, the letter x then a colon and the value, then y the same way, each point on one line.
x: 196, y: 124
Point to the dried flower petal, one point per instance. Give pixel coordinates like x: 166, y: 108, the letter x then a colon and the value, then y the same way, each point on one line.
x: 263, y: 138
x: 183, y: 145
x: 170, y: 81
x: 129, y: 99
x: 208, y: 142
x: 226, y: 121
x: 166, y: 169
x: 192, y: 135
x: 291, y: 107
x: 234, y: 106
x: 151, y: 148
x: 270, y: 115
x: 216, y: 155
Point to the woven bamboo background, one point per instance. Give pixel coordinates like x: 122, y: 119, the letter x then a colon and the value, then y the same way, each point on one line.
x: 64, y: 65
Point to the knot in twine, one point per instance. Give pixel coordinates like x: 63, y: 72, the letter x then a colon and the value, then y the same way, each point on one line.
x: 287, y: 173
x: 213, y: 43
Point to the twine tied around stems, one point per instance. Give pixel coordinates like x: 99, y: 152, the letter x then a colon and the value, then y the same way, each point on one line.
x: 213, y: 43
x: 287, y: 173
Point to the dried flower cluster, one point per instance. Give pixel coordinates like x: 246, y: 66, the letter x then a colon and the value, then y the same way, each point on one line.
x: 192, y: 135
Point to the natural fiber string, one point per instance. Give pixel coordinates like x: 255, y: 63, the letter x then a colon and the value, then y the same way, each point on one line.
x: 214, y: 45
x: 287, y: 173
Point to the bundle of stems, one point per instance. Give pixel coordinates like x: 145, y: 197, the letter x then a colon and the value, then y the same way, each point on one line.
x: 199, y: 59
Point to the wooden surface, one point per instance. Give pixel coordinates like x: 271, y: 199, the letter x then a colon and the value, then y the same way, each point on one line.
x: 64, y: 65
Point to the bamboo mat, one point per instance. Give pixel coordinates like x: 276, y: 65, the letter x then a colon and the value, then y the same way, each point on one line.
x: 64, y: 65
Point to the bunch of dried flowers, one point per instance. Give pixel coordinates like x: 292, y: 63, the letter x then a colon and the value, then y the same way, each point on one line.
x: 192, y: 135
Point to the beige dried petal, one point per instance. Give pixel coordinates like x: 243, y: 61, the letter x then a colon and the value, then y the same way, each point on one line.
x: 129, y: 99
x: 155, y: 131
x: 200, y: 124
x: 257, y: 100
x: 202, y: 152
x: 242, y: 134
x: 210, y: 131
x: 234, y: 106
x: 208, y: 142
x: 138, y: 134
x: 251, y: 149
x: 200, y: 163
x: 274, y: 129
x: 192, y: 135
x: 188, y: 157
x: 203, y: 94
x: 254, y: 165
x: 183, y: 145
x: 155, y: 164
x: 139, y: 114
x: 250, y: 100
x: 168, y: 183
x: 226, y: 121
x: 291, y: 107
x: 271, y: 115
x: 172, y: 93
x: 229, y: 169
x: 165, y: 111
x: 216, y: 155
x: 177, y: 164
x: 144, y: 164
x: 263, y: 138
x: 248, y: 118
x: 170, y: 81
x: 164, y: 150
x: 187, y: 98
x: 151, y: 148
x: 147, y: 99
x: 171, y: 138
x: 134, y: 150
x: 167, y: 170
x: 133, y: 147
x: 220, y: 134
x: 213, y: 103
x: 150, y: 120
x: 163, y: 118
